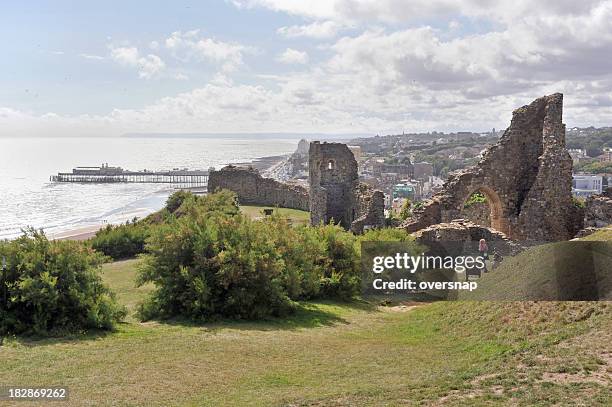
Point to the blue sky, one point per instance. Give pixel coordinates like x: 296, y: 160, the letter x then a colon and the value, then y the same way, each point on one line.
x: 335, y: 66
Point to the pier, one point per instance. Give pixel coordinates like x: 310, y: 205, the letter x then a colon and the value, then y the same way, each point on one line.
x: 106, y: 174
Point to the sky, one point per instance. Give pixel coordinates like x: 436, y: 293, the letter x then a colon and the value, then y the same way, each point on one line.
x: 74, y: 68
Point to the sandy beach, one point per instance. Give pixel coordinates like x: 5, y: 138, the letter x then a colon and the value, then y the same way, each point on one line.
x: 82, y: 233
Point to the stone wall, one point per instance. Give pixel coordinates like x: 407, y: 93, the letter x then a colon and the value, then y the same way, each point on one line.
x: 478, y: 212
x: 336, y: 193
x: 526, y: 177
x: 370, y: 209
x: 462, y: 237
x: 598, y: 211
x: 252, y: 189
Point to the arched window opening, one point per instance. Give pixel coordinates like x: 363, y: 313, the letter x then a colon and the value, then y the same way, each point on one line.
x: 484, y: 208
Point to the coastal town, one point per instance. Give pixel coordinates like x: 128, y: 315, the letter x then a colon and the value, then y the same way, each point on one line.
x: 410, y: 168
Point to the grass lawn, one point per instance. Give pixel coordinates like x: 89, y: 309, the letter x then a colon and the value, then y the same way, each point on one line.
x: 332, y: 354
x: 294, y: 215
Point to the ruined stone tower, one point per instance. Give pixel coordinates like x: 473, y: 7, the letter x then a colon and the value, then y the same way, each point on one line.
x: 526, y: 177
x: 336, y: 193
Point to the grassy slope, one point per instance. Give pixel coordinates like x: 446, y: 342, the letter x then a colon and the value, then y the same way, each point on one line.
x: 553, y: 271
x: 294, y: 215
x: 601, y: 235
x: 332, y: 354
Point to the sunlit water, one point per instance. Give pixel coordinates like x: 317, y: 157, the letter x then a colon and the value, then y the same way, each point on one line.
x: 28, y: 198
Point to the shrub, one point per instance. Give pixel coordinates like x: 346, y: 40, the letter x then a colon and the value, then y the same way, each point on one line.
x: 128, y: 240
x: 341, y: 278
x: 474, y: 199
x: 52, y: 288
x: 579, y: 202
x: 176, y: 200
x: 212, y: 262
x: 405, y: 212
x: 121, y: 241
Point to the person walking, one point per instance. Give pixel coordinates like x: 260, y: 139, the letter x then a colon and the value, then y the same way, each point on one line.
x: 483, y: 251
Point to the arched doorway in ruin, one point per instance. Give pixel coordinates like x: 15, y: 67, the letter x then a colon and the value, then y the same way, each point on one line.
x: 484, y: 207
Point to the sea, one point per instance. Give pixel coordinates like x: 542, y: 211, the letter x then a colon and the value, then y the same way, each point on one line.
x: 29, y: 199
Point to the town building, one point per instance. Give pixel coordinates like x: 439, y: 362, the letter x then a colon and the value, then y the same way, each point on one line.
x: 585, y: 185
x: 423, y: 170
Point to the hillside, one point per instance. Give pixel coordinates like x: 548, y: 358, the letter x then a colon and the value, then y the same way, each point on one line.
x: 576, y: 270
x: 333, y: 354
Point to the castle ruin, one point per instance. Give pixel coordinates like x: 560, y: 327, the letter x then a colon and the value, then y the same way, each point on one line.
x: 336, y: 193
x: 253, y: 189
x: 526, y: 178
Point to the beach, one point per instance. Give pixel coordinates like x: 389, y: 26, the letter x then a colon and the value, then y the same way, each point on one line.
x: 79, y: 234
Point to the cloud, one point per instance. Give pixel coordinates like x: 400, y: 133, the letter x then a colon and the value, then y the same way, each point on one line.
x: 390, y: 73
x: 190, y: 45
x: 394, y: 11
x: 526, y: 55
x: 292, y: 56
x: 92, y: 57
x: 309, y: 8
x: 317, y: 30
x: 149, y: 66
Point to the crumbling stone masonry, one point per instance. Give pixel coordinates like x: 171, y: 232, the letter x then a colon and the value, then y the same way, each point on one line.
x: 479, y: 213
x: 252, y: 189
x: 526, y: 177
x: 461, y: 237
x: 598, y: 210
x: 336, y: 193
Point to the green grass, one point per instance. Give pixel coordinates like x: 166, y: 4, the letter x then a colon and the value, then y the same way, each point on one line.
x: 604, y: 234
x: 580, y: 269
x: 293, y: 215
x: 120, y: 276
x: 330, y: 354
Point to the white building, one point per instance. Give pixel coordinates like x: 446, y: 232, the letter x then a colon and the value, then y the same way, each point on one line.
x: 578, y: 154
x: 586, y: 185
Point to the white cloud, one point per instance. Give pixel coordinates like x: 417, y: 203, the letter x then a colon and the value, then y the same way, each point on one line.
x: 309, y: 8
x: 317, y: 30
x: 383, y: 79
x: 92, y: 57
x: 405, y: 11
x: 149, y: 66
x: 190, y: 45
x: 292, y: 56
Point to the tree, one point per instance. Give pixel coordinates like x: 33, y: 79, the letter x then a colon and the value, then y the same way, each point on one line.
x: 405, y: 212
x: 594, y: 149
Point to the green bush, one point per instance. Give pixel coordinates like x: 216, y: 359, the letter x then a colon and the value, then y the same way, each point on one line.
x: 212, y: 264
x: 128, y: 240
x: 579, y: 202
x: 121, y: 241
x: 52, y: 288
x: 474, y: 199
x: 176, y: 200
x: 406, y: 212
x: 210, y: 261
